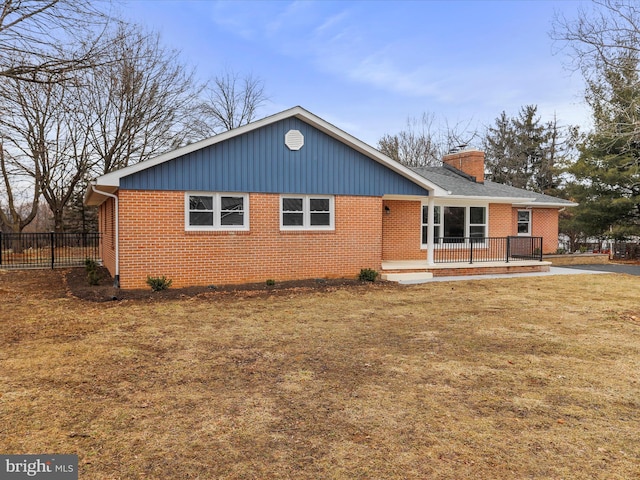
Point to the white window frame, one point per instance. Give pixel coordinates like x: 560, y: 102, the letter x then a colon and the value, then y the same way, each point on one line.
x: 217, y: 212
x: 467, y: 220
x: 436, y: 208
x: 469, y: 224
x: 306, y: 213
x: 518, y: 222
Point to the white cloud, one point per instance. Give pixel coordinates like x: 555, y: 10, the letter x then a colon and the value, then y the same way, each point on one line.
x: 427, y: 71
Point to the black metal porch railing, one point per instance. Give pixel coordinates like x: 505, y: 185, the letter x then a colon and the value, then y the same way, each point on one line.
x: 48, y: 250
x: 486, y: 249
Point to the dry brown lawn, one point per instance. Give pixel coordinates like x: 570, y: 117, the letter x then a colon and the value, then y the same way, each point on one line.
x: 494, y: 379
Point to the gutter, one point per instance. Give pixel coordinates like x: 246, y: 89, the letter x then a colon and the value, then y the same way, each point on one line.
x: 116, y: 278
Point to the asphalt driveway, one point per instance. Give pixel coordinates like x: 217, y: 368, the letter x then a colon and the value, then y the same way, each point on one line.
x: 610, y: 267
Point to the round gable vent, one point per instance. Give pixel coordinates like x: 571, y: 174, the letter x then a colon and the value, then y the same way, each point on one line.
x: 294, y: 139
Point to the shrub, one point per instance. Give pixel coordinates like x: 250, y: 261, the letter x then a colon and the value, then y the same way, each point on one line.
x: 90, y: 265
x: 368, y: 275
x: 93, y: 276
x: 270, y: 282
x: 158, y: 283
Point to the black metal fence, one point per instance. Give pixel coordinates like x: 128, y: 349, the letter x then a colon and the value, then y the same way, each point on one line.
x: 48, y: 250
x: 626, y: 251
x: 487, y: 249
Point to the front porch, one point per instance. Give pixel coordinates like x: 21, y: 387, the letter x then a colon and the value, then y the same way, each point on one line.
x: 470, y: 256
x: 395, y: 270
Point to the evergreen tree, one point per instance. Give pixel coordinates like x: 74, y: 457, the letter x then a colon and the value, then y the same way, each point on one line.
x: 78, y: 218
x: 524, y: 152
x: 607, y: 173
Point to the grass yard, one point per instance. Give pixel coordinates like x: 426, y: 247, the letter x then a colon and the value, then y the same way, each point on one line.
x: 494, y: 379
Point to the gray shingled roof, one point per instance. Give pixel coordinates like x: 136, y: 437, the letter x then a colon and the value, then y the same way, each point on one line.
x: 462, y: 185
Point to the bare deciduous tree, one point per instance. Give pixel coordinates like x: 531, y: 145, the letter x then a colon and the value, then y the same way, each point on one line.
x: 13, y: 215
x: 422, y: 144
x: 74, y: 103
x: 138, y: 102
x: 597, y: 37
x: 602, y: 42
x: 232, y: 101
x: 39, y: 40
x: 134, y: 103
x: 48, y: 145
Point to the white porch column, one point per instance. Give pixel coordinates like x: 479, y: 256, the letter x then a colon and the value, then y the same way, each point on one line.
x: 431, y: 219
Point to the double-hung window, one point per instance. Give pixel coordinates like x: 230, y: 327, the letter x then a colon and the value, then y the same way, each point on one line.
x: 477, y: 222
x: 452, y: 224
x: 306, y: 212
x: 217, y: 211
x: 524, y: 222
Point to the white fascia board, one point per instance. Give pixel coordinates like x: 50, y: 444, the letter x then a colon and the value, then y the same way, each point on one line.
x: 113, y: 178
x: 544, y: 204
x: 512, y: 200
x: 515, y: 201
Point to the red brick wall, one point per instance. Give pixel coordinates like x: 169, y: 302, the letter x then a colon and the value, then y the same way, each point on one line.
x: 401, y: 227
x: 503, y: 220
x: 401, y: 230
x: 153, y: 241
x: 500, y: 220
x: 470, y: 162
x: 106, y: 219
x: 544, y: 223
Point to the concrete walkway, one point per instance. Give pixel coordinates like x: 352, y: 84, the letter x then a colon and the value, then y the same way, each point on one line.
x: 552, y: 271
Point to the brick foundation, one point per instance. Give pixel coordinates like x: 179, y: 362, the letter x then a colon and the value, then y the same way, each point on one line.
x: 480, y: 270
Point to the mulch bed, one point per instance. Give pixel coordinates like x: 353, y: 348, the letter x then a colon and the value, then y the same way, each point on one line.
x: 78, y: 286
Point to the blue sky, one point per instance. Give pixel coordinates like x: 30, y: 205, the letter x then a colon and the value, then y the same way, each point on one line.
x: 366, y: 66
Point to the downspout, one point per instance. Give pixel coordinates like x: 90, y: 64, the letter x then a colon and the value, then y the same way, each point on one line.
x: 116, y: 277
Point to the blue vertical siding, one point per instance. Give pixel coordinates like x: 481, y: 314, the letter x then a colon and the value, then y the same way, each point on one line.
x: 259, y: 161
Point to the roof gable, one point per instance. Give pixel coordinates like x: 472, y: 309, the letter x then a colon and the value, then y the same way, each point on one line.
x: 313, y: 172
x: 260, y: 161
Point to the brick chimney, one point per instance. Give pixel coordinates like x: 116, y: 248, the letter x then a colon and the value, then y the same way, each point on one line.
x: 470, y: 162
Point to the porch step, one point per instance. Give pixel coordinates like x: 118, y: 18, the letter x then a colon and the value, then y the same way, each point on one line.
x: 408, y: 277
x: 403, y: 265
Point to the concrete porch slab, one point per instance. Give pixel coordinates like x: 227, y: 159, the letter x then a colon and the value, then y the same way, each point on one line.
x: 481, y: 265
x: 402, y: 270
x: 396, y: 265
x: 404, y: 265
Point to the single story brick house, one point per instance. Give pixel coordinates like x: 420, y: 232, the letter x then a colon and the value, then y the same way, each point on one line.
x: 292, y: 196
